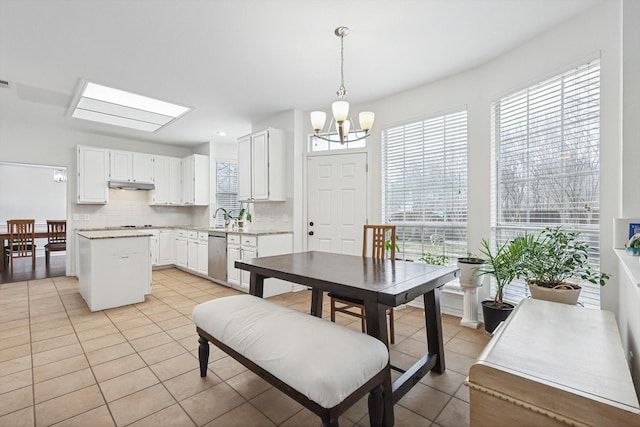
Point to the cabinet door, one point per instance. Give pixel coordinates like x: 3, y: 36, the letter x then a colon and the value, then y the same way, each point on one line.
x: 260, y: 159
x: 175, y: 181
x: 121, y: 165
x: 203, y: 258
x: 155, y: 247
x: 244, y: 168
x: 161, y: 177
x: 192, y: 255
x: 188, y: 180
x: 93, y: 175
x: 142, y: 166
x: 166, y: 248
x: 246, y: 254
x: 233, y: 255
x: 181, y: 253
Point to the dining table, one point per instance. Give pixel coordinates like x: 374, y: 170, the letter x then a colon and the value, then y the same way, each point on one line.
x: 4, y: 241
x: 381, y: 284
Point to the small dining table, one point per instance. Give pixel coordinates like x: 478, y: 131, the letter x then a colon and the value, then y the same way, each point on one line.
x: 381, y: 284
x: 4, y: 241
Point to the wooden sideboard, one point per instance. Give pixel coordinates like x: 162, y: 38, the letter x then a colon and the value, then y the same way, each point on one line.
x: 553, y: 364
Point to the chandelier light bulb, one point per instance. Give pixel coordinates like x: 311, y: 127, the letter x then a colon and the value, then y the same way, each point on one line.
x: 318, y: 118
x: 340, y: 110
x: 366, y: 120
x: 345, y: 128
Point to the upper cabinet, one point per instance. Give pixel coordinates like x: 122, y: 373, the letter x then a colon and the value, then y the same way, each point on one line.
x: 167, y: 174
x: 93, y: 175
x: 261, y: 171
x: 195, y: 180
x: 131, y: 167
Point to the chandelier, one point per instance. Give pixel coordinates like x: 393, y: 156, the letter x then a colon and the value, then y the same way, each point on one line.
x: 340, y: 109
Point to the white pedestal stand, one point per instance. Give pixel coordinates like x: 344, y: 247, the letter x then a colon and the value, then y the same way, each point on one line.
x: 470, y: 281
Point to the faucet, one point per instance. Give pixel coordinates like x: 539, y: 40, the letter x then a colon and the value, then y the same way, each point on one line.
x: 227, y: 218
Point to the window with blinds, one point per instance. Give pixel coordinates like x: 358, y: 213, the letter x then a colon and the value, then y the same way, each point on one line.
x: 547, y: 163
x: 425, y: 185
x: 226, y: 189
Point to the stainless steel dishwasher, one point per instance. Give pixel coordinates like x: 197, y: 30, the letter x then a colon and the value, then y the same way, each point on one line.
x: 218, y: 257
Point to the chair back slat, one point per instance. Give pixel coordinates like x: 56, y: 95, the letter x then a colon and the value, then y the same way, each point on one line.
x: 379, y: 237
x: 57, y: 231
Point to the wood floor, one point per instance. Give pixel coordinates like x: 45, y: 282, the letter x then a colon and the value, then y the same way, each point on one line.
x: 22, y: 270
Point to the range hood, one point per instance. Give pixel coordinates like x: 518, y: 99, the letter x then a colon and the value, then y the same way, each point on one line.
x: 128, y: 185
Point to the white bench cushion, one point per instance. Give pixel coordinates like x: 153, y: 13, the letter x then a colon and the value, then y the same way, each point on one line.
x: 323, y: 361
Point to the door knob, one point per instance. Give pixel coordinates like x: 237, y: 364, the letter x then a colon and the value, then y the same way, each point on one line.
x: 311, y: 224
x: 311, y: 233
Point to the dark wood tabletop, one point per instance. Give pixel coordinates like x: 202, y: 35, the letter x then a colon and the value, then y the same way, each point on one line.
x: 4, y: 237
x: 380, y: 284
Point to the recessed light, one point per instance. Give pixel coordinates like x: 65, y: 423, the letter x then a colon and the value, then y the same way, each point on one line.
x: 222, y: 133
x: 117, y: 107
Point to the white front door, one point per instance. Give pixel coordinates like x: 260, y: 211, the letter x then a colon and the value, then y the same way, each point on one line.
x: 336, y: 202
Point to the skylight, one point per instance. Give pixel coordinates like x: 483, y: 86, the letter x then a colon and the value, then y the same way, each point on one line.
x: 117, y: 107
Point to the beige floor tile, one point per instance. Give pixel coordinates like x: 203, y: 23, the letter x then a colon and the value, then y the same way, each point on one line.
x: 162, y: 352
x: 151, y: 341
x: 211, y: 403
x: 15, y: 352
x: 141, y: 404
x: 125, y: 324
x: 117, y: 367
x: 245, y: 415
x: 402, y: 417
x: 183, y: 332
x: 109, y: 353
x: 57, y: 354
x: 276, y: 405
x: 20, y: 418
x: 175, y: 322
x: 455, y: 414
x: 124, y: 385
x: 226, y: 367
x: 412, y: 347
x: 38, y: 334
x: 165, y: 315
x: 8, y: 326
x: 98, y: 417
x: 306, y: 418
x: 61, y: 367
x: 190, y: 383
x: 68, y: 405
x: 175, y: 366
x: 102, y: 342
x: 63, y: 384
x: 462, y: 393
x: 14, y: 341
x: 16, y: 399
x: 248, y: 384
x: 141, y: 331
x: 467, y: 348
x: 474, y: 335
x: 51, y: 343
x: 448, y: 382
x: 424, y: 400
x: 51, y: 324
x: 97, y: 332
x: 15, y: 365
x: 174, y: 415
x: 47, y: 318
x: 458, y: 362
x: 15, y: 381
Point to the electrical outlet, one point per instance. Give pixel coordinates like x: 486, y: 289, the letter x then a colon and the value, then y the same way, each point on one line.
x: 76, y: 217
x: 85, y: 217
x: 285, y: 217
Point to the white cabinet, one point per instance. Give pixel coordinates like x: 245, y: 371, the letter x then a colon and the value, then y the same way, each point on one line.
x: 203, y: 253
x: 155, y: 247
x: 167, y: 175
x: 198, y: 251
x: 261, y: 166
x: 93, y: 175
x: 166, y: 247
x: 131, y: 167
x: 181, y: 248
x: 245, y: 247
x: 195, y: 180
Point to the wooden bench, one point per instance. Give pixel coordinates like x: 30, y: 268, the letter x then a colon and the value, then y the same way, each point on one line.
x: 323, y: 366
x: 553, y: 364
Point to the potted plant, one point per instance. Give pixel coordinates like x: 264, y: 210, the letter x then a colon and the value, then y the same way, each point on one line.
x: 242, y: 214
x: 504, y: 265
x: 427, y: 258
x: 469, y: 271
x: 552, y: 259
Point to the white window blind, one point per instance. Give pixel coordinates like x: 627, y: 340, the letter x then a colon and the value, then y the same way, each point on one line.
x: 546, y: 151
x: 226, y: 189
x: 425, y: 185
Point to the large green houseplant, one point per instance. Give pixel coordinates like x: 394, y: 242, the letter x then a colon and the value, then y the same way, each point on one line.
x: 504, y: 265
x: 555, y: 258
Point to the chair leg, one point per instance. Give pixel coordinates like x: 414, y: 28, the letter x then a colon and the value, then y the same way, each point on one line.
x: 33, y: 259
x: 363, y: 320
x: 392, y: 329
x: 333, y: 310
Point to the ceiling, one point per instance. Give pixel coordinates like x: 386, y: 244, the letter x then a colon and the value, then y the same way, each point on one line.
x: 240, y: 61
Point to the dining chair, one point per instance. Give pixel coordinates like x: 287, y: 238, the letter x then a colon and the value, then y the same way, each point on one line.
x: 56, y: 238
x: 355, y: 307
x: 21, y: 241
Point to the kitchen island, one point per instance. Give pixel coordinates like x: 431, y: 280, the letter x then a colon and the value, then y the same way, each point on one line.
x: 114, y: 267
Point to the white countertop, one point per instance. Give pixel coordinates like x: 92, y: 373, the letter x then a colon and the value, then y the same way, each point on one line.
x: 113, y: 234
x: 631, y: 265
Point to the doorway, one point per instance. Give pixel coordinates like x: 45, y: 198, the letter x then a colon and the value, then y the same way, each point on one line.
x: 336, y: 202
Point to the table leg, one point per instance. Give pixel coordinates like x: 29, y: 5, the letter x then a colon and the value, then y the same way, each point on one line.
x: 433, y: 320
x: 376, y: 316
x: 316, y: 302
x: 256, y: 284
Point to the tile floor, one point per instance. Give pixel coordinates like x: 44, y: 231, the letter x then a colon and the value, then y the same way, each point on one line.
x: 61, y: 365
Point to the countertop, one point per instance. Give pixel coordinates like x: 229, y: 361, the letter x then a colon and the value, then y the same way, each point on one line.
x: 631, y: 265
x: 113, y: 234
x: 249, y: 231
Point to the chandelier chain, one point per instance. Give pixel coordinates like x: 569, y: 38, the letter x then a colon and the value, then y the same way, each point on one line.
x: 342, y: 91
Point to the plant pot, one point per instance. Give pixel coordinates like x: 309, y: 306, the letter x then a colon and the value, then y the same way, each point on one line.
x: 565, y: 294
x: 469, y: 275
x: 494, y: 314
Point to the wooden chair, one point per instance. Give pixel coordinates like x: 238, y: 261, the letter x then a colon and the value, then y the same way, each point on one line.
x: 355, y: 307
x: 21, y: 241
x: 56, y: 238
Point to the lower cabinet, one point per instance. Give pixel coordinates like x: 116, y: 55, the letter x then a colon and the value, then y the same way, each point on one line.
x: 198, y: 251
x: 167, y: 247
x: 245, y: 247
x: 181, y: 248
